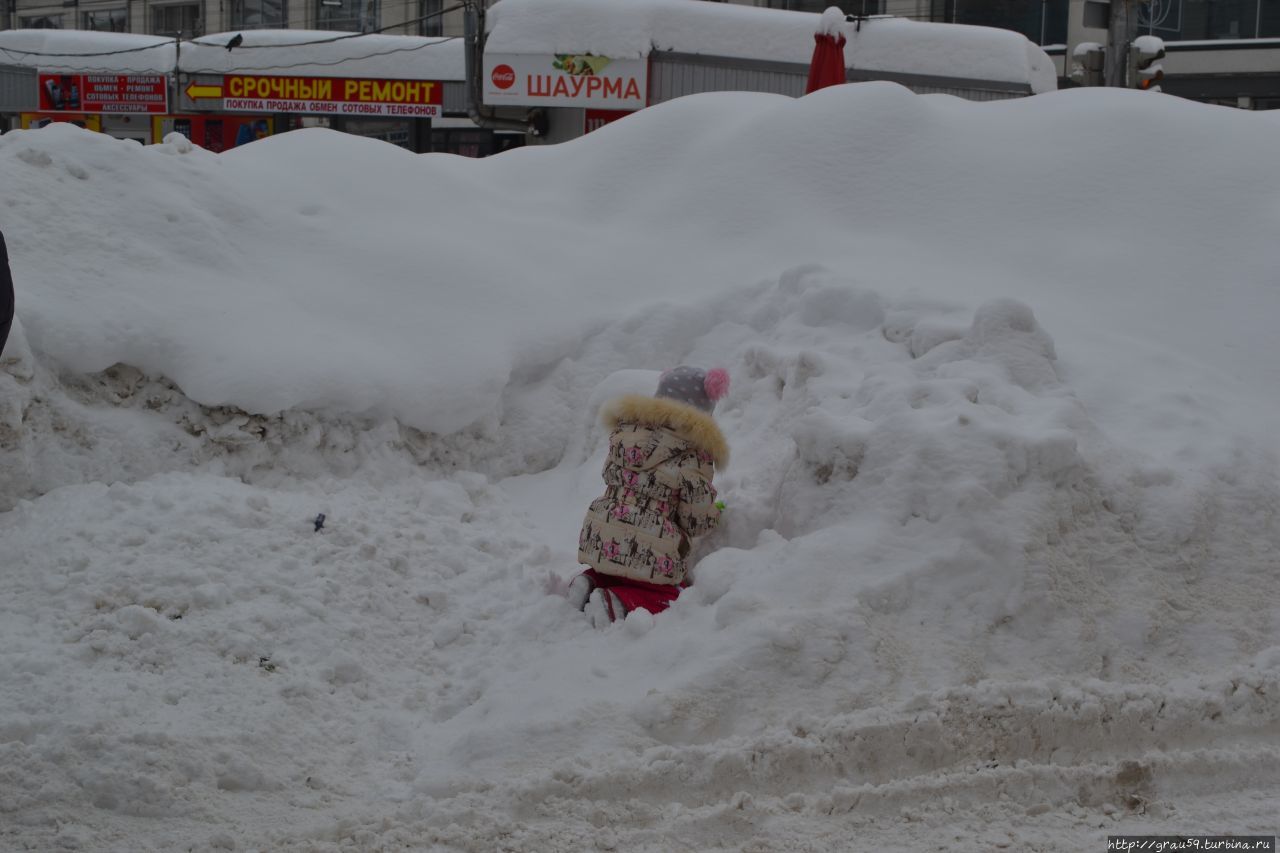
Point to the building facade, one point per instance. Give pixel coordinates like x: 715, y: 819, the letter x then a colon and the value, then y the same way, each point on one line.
x: 189, y: 19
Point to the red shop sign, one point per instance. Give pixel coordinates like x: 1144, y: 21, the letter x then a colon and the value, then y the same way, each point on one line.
x: 103, y: 93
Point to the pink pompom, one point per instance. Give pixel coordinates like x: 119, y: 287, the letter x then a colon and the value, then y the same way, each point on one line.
x: 717, y: 383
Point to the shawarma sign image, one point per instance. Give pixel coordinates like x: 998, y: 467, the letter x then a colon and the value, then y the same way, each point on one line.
x: 565, y: 79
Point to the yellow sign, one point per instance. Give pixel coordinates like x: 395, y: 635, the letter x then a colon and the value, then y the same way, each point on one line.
x: 332, y: 95
x: 204, y: 90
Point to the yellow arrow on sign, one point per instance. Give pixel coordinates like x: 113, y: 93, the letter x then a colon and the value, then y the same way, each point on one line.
x: 203, y: 90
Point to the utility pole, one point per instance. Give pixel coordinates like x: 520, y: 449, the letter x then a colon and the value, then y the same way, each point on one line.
x: 1121, y: 32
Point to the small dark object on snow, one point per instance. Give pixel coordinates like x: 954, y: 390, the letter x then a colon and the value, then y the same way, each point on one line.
x: 319, y: 522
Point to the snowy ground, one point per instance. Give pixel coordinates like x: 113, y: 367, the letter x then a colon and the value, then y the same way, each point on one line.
x: 999, y: 563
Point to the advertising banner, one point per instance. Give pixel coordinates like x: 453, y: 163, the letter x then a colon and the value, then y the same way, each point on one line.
x: 338, y: 96
x: 565, y: 80
x: 103, y: 93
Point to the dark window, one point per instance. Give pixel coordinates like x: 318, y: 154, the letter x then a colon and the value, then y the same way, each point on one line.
x: 1189, y: 20
x: 41, y: 22
x: 1041, y: 22
x: 356, y: 16
x: 184, y: 21
x: 1269, y: 21
x: 472, y: 143
x: 1096, y: 15
x: 258, y: 15
x: 107, y: 21
x: 432, y: 20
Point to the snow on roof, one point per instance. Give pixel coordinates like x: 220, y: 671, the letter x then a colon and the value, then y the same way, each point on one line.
x: 630, y: 29
x: 326, y: 54
x: 77, y: 51
x: 1149, y: 44
x: 293, y: 52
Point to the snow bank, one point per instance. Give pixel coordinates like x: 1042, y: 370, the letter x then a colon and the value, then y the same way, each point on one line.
x: 254, y: 279
x: 942, y: 598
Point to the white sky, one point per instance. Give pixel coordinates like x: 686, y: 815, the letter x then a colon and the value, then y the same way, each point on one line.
x: 1001, y: 506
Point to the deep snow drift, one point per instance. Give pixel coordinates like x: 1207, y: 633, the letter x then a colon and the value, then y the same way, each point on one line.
x: 999, y: 561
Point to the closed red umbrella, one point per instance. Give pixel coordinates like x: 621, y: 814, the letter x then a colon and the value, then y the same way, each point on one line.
x: 827, y: 66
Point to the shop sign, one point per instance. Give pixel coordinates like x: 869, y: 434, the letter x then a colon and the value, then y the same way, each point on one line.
x: 103, y: 93
x: 337, y: 96
x: 565, y: 80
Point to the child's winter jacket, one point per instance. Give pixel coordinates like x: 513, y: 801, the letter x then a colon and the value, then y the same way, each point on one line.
x: 658, y: 493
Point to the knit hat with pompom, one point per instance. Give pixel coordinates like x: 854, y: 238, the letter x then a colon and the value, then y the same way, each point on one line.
x: 694, y: 386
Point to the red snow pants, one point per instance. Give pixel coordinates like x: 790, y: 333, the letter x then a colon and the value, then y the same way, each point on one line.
x: 654, y: 597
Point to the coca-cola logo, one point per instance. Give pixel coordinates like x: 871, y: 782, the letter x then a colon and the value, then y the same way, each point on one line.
x: 504, y: 76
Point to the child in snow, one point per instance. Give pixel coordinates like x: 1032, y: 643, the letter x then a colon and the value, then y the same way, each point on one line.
x: 663, y: 452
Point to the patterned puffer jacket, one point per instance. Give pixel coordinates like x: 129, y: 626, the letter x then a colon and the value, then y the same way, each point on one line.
x: 658, y: 493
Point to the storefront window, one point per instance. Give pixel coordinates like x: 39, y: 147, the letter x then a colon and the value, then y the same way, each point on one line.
x: 42, y: 22
x: 432, y: 20
x: 463, y: 142
x: 1189, y: 20
x: 1269, y: 20
x: 1041, y: 22
x: 258, y: 15
x: 356, y: 16
x: 181, y: 20
x: 107, y: 21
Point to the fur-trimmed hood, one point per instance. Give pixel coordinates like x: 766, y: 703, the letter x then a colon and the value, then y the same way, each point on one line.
x: 697, y: 428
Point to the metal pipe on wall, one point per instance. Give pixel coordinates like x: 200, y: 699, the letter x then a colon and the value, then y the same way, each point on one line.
x: 472, y: 38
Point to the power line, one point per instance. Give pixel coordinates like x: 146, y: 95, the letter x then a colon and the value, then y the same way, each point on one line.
x: 276, y: 67
x: 240, y: 68
x: 345, y: 36
x: 14, y: 50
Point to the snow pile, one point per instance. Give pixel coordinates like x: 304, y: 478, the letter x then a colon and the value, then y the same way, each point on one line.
x: 831, y: 21
x: 998, y: 559
x: 194, y: 266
